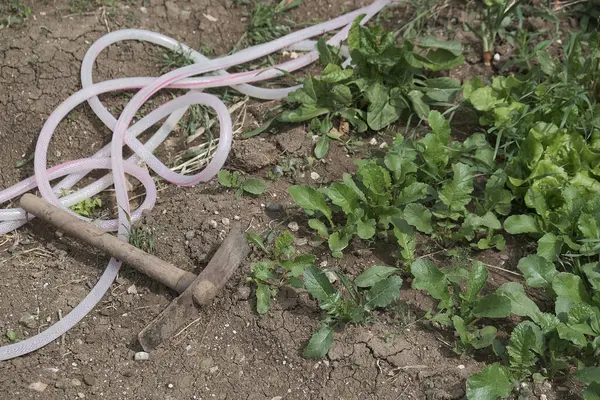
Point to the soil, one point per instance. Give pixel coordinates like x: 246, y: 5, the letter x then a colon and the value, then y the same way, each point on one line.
x: 229, y: 352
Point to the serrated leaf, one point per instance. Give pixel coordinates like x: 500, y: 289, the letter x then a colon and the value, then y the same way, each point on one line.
x: 254, y: 186
x: 382, y: 293
x: 311, y: 199
x: 419, y: 217
x: 263, y: 270
x: 429, y: 278
x: 492, y: 306
x: 477, y: 278
x: 538, y: 271
x: 517, y: 224
x: 520, y: 349
x: 490, y: 384
x: 373, y: 275
x: 414, y: 192
x: 283, y: 245
x: 457, y: 193
x: 568, y: 333
x: 263, y: 298
x: 375, y: 178
x: 318, y: 285
x: 11, y: 336
x: 319, y: 343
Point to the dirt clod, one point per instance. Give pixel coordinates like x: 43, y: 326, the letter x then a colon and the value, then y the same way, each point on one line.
x: 253, y: 154
x: 38, y: 386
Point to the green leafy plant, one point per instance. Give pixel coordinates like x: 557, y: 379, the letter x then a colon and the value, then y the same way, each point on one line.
x: 234, y: 180
x: 420, y: 185
x: 87, y: 207
x: 264, y: 22
x: 12, y: 336
x: 13, y: 13
x: 143, y: 237
x: 386, y: 83
x: 284, y: 267
x: 377, y: 287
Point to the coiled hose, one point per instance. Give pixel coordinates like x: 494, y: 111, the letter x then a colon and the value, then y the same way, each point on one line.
x: 111, y: 156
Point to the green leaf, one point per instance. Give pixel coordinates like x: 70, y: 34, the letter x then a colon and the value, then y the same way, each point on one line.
x: 414, y: 192
x: 319, y: 343
x: 283, y: 245
x: 568, y: 333
x: 366, y: 228
x: 263, y: 298
x: 592, y: 273
x: 228, y: 179
x: 373, y: 275
x: 319, y: 227
x: 521, y: 305
x: 318, y: 285
x: 311, y: 199
x: 523, y: 341
x: 254, y: 186
x: 490, y: 384
x: 349, y: 182
x: 476, y: 281
x: 406, y: 238
x: 322, y: 147
x: 483, y: 99
x: 517, y: 224
x: 343, y: 197
x: 418, y: 216
x: 419, y: 106
x: 454, y: 47
x: 334, y: 74
x: 457, y: 193
x: 11, y: 336
x: 592, y: 392
x: 257, y: 240
x: 380, y: 112
x: 538, y: 271
x: 549, y: 246
x: 375, y: 178
x: 570, y: 286
x: 492, y: 306
x: 429, y: 278
x: 588, y: 375
x: 337, y: 243
x: 382, y: 293
x: 304, y: 113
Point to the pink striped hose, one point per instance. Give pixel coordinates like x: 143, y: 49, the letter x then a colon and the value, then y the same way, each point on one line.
x: 111, y: 156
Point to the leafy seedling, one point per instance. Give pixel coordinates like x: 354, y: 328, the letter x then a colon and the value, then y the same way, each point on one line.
x: 234, y: 180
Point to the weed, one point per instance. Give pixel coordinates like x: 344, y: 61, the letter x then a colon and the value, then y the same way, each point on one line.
x: 142, y: 237
x: 172, y: 59
x: 87, y: 207
x: 234, y: 180
x: 12, y: 336
x: 352, y: 302
x: 264, y: 22
x: 13, y: 13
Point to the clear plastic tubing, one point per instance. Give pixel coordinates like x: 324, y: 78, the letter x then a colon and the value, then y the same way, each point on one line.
x: 111, y: 156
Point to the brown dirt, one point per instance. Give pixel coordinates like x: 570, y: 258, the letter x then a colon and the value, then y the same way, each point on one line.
x: 229, y: 352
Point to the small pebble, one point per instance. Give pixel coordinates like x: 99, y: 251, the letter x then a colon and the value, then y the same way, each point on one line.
x: 81, y: 395
x: 75, y: 382
x: 225, y: 221
x: 132, y: 289
x: 314, y: 176
x: 461, y: 366
x: 373, y: 142
x: 504, y: 257
x: 214, y: 369
x: 243, y: 293
x: 236, y: 217
x: 274, y: 207
x: 144, y: 10
x: 170, y: 386
x: 28, y: 321
x: 58, y: 234
x: 38, y: 386
x: 331, y: 276
x: 89, y: 380
x: 212, y: 223
x: 141, y: 356
x: 293, y: 226
x: 496, y: 57
x: 301, y: 241
x: 189, y: 235
x: 543, y: 397
x: 323, y: 264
